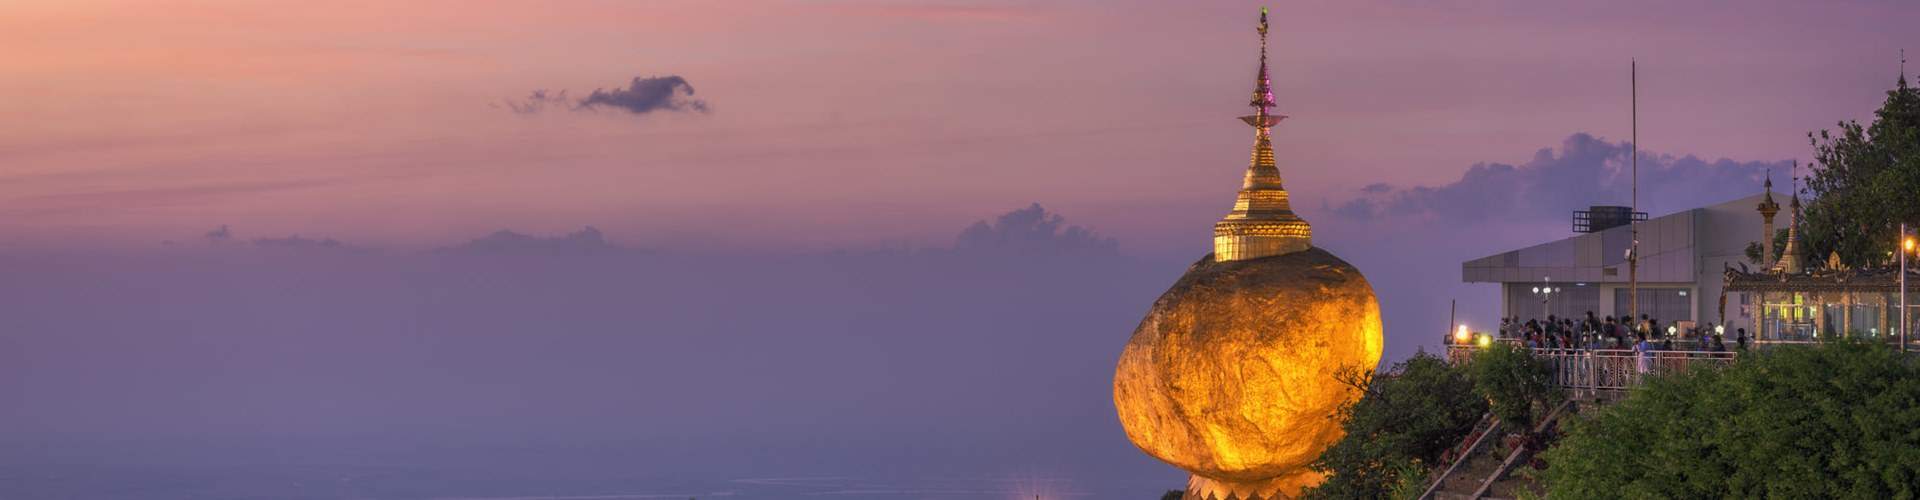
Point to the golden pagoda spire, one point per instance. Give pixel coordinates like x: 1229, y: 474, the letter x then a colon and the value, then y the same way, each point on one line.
x: 1790, y: 262
x: 1262, y: 223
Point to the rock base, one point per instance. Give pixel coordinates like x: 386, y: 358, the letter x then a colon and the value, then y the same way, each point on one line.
x: 1284, y: 487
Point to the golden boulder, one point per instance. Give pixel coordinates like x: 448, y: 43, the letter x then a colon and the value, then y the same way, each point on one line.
x: 1232, y: 375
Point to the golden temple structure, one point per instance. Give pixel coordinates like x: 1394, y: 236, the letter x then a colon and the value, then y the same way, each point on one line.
x: 1262, y: 223
x: 1231, y: 375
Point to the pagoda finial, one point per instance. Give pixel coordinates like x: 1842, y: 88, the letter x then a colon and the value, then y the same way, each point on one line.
x: 1262, y: 223
x: 1767, y: 206
x: 1263, y: 88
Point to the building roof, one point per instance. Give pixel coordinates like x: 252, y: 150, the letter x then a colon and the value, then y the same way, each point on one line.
x: 1877, y: 280
x: 1670, y: 249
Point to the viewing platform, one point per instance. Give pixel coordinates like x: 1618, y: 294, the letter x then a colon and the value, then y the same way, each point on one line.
x: 1606, y: 369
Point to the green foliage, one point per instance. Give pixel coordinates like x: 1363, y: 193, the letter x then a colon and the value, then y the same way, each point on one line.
x: 1864, y: 183
x: 1407, y: 418
x: 1754, y: 249
x: 1518, y: 385
x: 1411, y: 480
x: 1839, y: 420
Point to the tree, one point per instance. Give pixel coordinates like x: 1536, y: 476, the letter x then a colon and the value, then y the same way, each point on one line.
x: 1518, y: 385
x: 1864, y: 183
x: 1754, y: 249
x: 1407, y: 417
x: 1830, y: 421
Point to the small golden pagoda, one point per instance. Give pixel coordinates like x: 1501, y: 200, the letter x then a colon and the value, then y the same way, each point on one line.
x: 1790, y: 262
x: 1262, y: 223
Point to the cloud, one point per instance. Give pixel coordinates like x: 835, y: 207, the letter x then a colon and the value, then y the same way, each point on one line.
x: 1583, y: 171
x: 1032, y: 230
x: 648, y: 94
x: 301, y: 243
x: 641, y: 96
x: 537, y: 101
x: 220, y: 234
x: 588, y: 240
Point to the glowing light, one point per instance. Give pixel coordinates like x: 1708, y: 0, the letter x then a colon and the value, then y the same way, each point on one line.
x: 1486, y: 341
x: 1672, y: 329
x: 1461, y: 336
x: 1536, y: 289
x: 1719, y: 329
x: 1908, y: 243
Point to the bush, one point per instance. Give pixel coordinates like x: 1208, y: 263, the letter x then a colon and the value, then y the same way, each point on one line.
x: 1407, y: 418
x: 1517, y: 385
x: 1838, y: 420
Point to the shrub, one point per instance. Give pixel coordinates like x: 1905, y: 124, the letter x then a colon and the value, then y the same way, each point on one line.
x: 1518, y: 385
x: 1839, y: 420
x: 1408, y: 417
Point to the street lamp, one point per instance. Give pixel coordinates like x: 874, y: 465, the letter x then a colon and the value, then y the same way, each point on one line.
x: 1545, y: 291
x: 1461, y: 336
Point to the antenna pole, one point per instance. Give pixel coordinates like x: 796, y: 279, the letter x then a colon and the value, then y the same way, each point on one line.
x: 1633, y: 253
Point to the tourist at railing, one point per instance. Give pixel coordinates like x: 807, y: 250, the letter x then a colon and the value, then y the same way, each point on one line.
x: 1643, y: 358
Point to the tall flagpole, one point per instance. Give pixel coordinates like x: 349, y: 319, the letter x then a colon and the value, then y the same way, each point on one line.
x: 1633, y: 253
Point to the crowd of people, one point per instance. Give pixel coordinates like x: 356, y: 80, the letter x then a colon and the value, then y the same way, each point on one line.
x: 1609, y: 332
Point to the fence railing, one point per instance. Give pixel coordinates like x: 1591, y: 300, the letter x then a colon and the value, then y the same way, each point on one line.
x: 1609, y: 369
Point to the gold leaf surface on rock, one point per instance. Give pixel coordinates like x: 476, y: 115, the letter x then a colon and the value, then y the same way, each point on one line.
x: 1231, y: 375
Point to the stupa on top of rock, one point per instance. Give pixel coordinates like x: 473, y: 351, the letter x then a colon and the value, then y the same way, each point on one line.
x: 1262, y: 222
x: 1232, y: 374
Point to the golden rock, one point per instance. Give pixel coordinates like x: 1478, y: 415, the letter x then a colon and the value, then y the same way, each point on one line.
x: 1231, y: 375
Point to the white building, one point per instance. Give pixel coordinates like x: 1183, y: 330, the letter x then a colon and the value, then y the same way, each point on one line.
x: 1683, y: 257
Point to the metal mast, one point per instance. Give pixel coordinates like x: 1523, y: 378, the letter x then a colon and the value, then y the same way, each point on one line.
x: 1633, y: 252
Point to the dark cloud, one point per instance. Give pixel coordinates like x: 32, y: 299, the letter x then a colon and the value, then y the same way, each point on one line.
x: 1584, y: 171
x: 647, y: 94
x: 641, y: 96
x: 1032, y: 230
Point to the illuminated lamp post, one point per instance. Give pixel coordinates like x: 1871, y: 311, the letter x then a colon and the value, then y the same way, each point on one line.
x: 1545, y: 291
x: 1461, y: 336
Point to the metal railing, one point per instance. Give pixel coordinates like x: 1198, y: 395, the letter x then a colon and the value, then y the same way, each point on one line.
x: 1609, y: 369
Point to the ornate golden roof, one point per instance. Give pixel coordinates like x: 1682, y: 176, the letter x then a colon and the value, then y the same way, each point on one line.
x: 1262, y: 223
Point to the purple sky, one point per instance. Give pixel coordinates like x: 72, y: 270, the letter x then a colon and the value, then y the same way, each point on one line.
x: 848, y: 123
x: 779, y: 283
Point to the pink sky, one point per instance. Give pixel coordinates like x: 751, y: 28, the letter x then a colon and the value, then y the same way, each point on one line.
x: 853, y: 123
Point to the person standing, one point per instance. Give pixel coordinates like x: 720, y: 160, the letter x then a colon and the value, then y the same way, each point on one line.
x: 1642, y: 360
